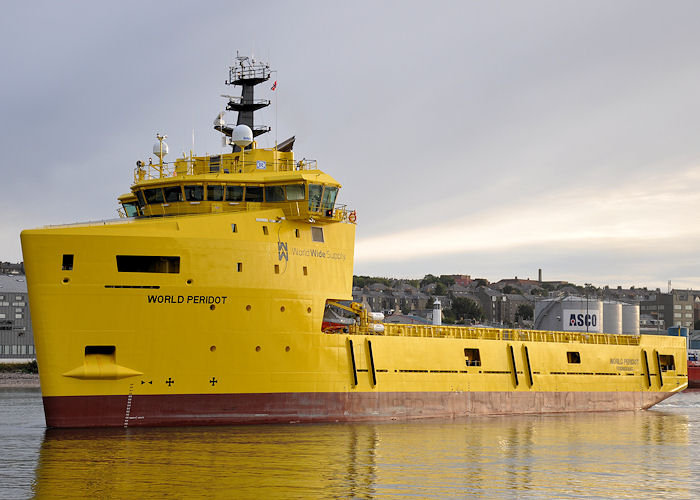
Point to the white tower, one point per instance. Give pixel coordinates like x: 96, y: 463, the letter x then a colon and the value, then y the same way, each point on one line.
x: 437, y: 313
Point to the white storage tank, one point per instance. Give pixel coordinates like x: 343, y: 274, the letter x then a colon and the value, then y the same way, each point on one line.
x: 630, y: 319
x: 612, y: 317
x: 569, y: 314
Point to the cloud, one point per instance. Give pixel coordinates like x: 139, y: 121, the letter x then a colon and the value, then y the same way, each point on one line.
x: 649, y: 211
x: 481, y: 137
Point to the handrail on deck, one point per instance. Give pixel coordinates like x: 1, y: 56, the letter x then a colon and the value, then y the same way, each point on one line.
x: 225, y: 165
x: 479, y: 333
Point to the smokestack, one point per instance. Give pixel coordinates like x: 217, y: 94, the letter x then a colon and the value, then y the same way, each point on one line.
x: 539, y: 274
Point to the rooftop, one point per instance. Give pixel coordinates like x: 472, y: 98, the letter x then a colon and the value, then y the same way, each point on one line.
x: 13, y: 284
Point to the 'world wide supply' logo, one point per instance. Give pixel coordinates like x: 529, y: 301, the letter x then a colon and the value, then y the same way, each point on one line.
x: 282, y: 252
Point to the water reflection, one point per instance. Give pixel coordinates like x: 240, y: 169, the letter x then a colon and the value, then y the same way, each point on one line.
x: 606, y: 454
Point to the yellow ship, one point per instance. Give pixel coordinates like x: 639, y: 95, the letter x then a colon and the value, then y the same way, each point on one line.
x: 209, y: 303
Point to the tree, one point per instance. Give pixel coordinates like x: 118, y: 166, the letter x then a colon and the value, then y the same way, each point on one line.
x: 428, y: 279
x: 446, y: 280
x: 448, y: 316
x: 413, y: 283
x: 510, y: 289
x: 464, y: 308
x: 363, y: 281
x: 524, y: 311
x: 440, y: 288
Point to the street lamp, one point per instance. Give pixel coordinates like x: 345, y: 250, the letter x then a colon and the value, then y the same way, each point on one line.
x: 588, y: 286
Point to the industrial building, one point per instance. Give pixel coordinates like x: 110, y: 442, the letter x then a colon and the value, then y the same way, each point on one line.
x: 581, y: 314
x: 16, y: 338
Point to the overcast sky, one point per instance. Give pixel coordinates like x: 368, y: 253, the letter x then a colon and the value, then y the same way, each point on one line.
x: 482, y: 138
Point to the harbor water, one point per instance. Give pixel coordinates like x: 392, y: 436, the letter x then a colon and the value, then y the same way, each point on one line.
x: 643, y: 454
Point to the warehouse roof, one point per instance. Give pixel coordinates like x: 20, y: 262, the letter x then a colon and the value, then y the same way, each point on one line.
x: 13, y: 284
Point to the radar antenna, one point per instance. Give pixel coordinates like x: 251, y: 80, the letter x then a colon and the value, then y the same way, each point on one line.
x: 246, y: 73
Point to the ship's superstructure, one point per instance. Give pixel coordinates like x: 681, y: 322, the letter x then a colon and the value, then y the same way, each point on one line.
x: 223, y: 295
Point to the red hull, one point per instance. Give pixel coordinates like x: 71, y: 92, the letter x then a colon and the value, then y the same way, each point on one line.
x: 693, y: 376
x: 226, y: 409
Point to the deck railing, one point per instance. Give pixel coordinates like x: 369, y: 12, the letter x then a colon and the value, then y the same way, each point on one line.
x: 477, y: 333
x: 203, y: 165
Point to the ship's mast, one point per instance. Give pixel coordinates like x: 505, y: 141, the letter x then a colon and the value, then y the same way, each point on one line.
x: 246, y: 73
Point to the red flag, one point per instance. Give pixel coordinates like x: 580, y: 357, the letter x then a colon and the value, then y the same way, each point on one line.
x: 274, y: 85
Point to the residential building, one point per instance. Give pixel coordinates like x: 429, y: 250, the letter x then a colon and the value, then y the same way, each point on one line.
x: 670, y: 309
x: 11, y: 268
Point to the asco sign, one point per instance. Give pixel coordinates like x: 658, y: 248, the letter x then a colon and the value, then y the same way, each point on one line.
x: 577, y: 320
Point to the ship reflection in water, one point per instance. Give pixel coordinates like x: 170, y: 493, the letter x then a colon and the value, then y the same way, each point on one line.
x: 621, y: 455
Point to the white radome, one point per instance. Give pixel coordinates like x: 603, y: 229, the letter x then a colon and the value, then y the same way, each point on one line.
x: 156, y: 149
x: 242, y: 136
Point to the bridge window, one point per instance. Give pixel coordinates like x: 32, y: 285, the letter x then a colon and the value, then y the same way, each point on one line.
x: 295, y: 192
x: 234, y: 193
x: 131, y: 209
x: 573, y: 357
x: 194, y: 193
x: 274, y: 193
x: 173, y: 194
x: 139, y: 197
x: 329, y: 195
x: 215, y: 193
x: 254, y: 193
x: 315, y: 191
x: 153, y: 196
